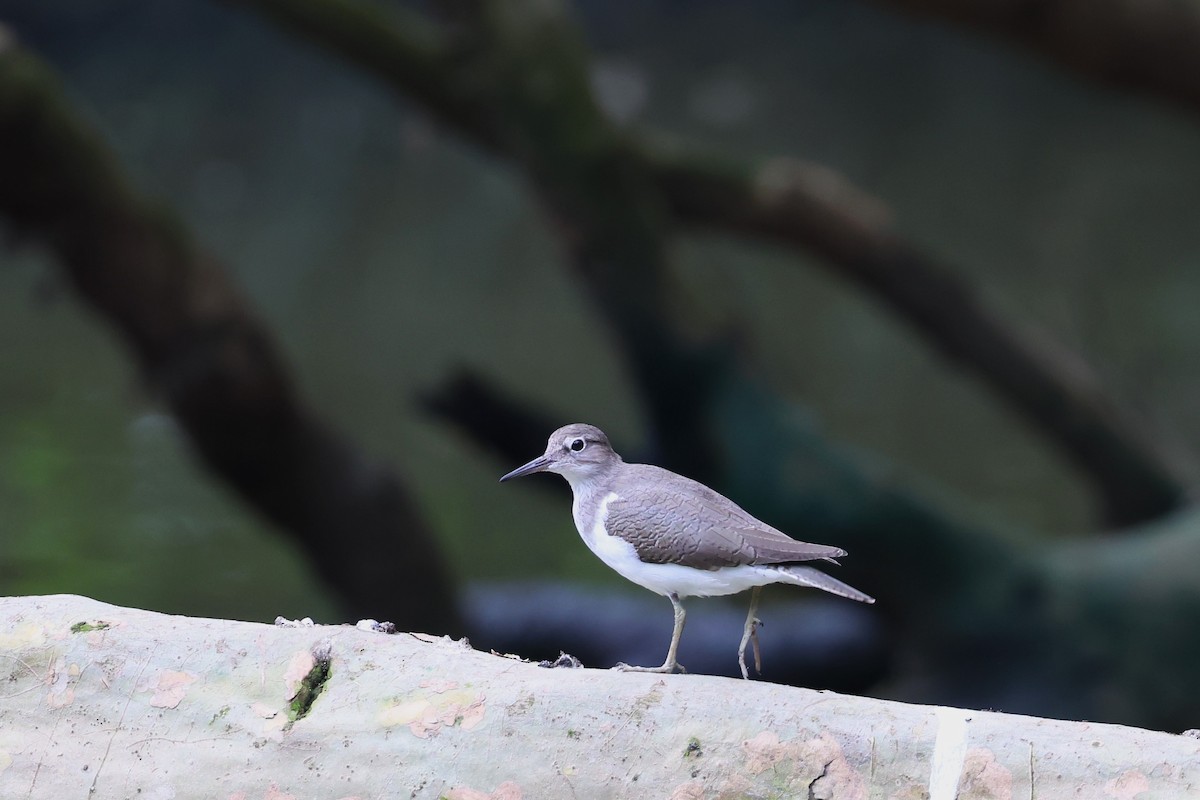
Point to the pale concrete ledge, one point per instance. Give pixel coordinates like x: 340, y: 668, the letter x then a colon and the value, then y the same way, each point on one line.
x: 106, y: 702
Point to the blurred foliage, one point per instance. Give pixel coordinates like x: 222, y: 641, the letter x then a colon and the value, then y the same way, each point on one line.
x: 384, y: 253
x: 98, y: 494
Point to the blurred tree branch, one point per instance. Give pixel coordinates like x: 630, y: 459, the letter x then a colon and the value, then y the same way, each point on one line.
x: 1019, y: 609
x: 602, y: 183
x: 813, y: 208
x: 200, y: 344
x: 1147, y: 46
x: 530, y: 72
x: 503, y: 425
x: 511, y: 78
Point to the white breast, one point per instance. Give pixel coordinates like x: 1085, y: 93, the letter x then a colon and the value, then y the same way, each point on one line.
x: 664, y: 579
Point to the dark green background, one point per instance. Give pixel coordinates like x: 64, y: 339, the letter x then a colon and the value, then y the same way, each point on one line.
x: 385, y: 252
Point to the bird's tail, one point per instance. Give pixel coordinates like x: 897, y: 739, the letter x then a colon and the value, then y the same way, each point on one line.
x: 807, y: 576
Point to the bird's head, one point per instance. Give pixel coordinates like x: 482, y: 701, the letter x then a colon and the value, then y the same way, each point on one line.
x: 578, y: 452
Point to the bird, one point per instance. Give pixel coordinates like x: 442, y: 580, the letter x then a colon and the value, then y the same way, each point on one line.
x: 675, y: 536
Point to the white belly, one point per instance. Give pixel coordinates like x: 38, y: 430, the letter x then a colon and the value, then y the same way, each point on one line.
x: 666, y: 579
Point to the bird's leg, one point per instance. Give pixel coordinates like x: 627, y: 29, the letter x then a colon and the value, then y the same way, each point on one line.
x: 754, y: 644
x: 748, y: 633
x: 671, y: 664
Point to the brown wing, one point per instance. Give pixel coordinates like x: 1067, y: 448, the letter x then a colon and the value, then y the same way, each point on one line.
x: 670, y: 519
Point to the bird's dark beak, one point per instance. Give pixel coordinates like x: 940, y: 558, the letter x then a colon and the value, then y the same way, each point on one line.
x: 539, y: 464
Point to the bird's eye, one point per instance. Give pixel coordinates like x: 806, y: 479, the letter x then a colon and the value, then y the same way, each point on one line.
x: 577, y: 445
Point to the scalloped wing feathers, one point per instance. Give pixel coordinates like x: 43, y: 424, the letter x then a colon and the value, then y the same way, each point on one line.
x: 670, y: 519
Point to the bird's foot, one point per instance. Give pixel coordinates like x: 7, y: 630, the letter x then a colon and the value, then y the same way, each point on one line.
x: 667, y: 668
x: 750, y: 637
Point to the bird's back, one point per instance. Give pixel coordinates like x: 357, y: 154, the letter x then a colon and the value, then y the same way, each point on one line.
x: 669, y: 518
